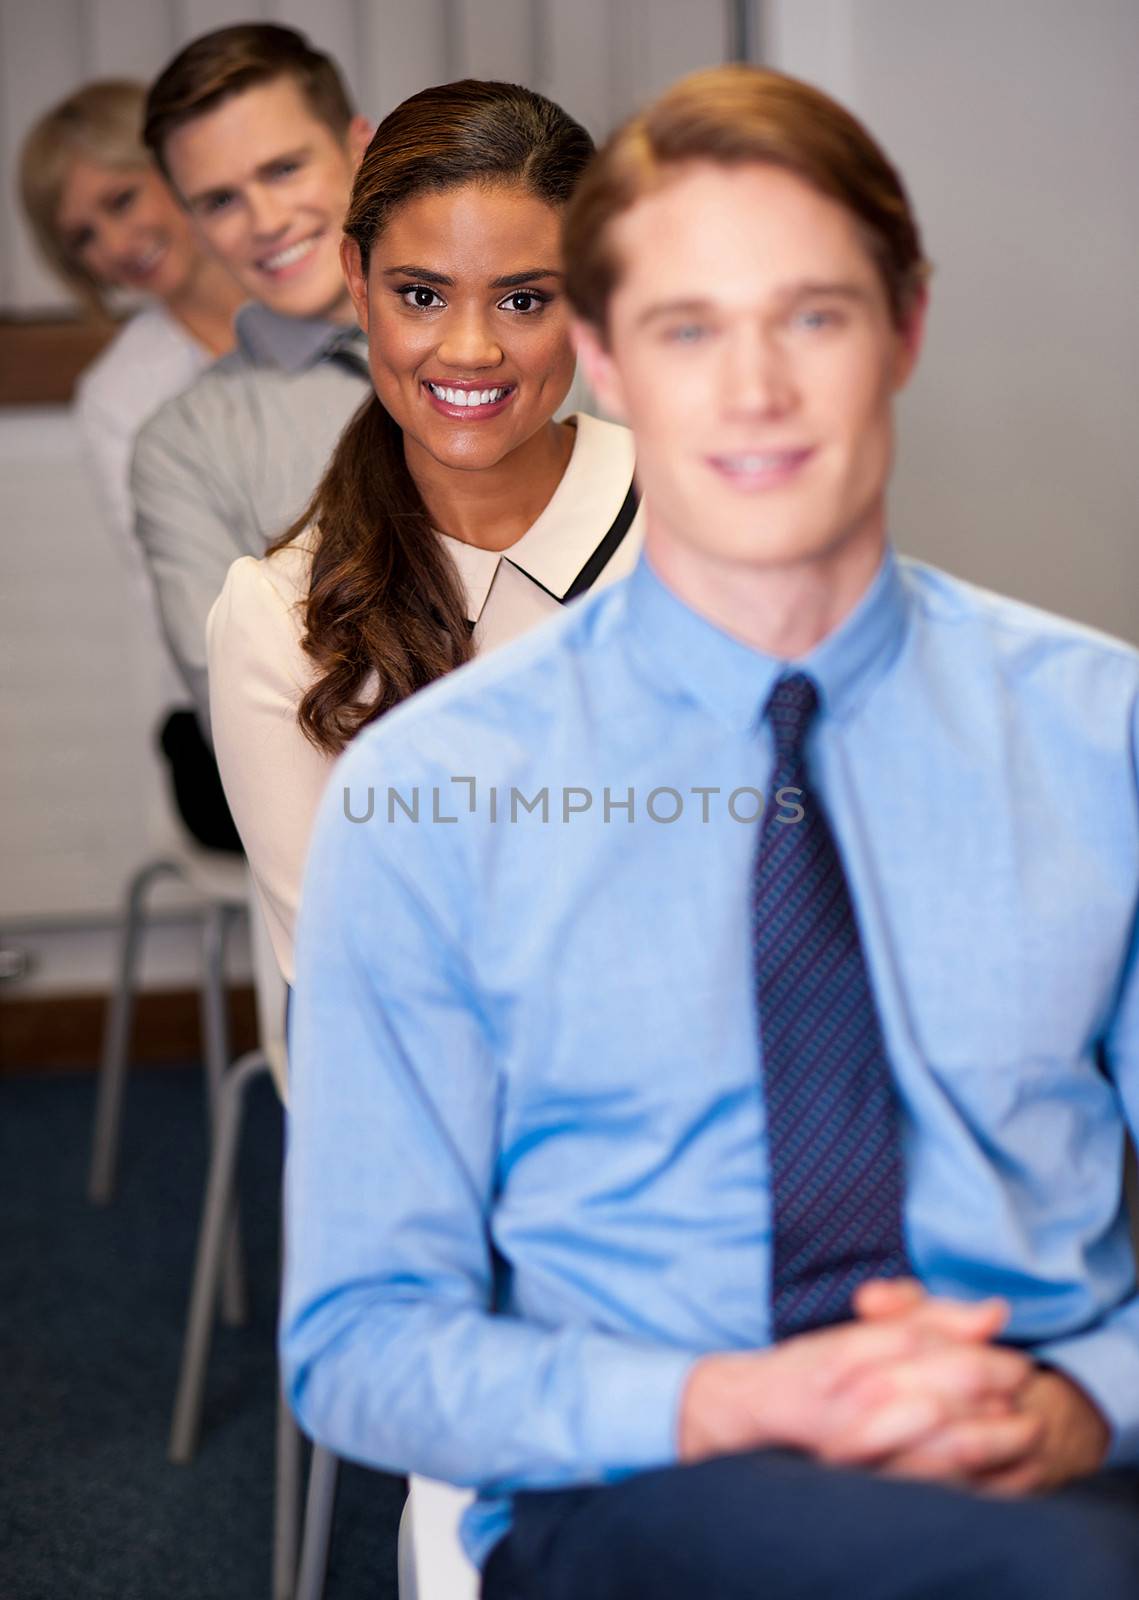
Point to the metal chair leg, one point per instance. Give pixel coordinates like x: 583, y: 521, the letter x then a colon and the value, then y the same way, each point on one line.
x: 286, y: 1502
x: 117, y: 1034
x: 211, y: 1248
x: 320, y: 1503
x: 215, y: 1049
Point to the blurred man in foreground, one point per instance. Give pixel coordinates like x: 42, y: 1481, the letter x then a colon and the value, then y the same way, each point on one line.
x: 710, y: 1144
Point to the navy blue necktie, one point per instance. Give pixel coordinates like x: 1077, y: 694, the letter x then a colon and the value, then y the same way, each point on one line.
x: 832, y: 1109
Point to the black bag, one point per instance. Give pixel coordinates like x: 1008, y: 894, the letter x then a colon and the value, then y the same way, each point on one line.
x: 198, y: 793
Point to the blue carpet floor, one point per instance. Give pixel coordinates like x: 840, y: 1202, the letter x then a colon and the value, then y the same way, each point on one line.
x: 92, y: 1303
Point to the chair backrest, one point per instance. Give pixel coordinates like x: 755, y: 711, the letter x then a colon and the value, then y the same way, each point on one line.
x: 438, y: 1567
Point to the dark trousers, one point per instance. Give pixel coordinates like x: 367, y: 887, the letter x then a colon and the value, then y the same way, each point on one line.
x: 773, y: 1526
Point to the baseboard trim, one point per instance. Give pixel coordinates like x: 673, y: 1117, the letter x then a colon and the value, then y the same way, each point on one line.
x: 64, y: 1033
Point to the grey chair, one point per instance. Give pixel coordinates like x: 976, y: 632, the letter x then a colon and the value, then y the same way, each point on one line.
x: 293, y: 1578
x: 217, y: 883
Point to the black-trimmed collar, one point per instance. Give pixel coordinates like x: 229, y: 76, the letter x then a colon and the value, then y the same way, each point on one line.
x: 558, y: 544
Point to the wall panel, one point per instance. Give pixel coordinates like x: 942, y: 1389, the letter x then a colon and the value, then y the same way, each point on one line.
x: 40, y: 59
x: 497, y: 39
x: 665, y: 39
x: 124, y: 40
x: 334, y: 27
x: 402, y: 49
x: 192, y: 17
x: 577, y: 54
x: 74, y: 802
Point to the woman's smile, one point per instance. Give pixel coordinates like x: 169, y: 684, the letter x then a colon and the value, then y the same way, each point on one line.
x: 469, y: 402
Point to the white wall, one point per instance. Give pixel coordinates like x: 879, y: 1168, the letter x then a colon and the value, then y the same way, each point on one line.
x: 82, y: 788
x: 1016, y: 126
x: 70, y: 794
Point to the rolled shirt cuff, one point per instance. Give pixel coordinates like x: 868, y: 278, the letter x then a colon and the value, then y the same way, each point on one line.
x: 632, y: 1407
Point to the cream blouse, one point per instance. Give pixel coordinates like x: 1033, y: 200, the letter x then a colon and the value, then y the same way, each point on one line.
x: 258, y: 672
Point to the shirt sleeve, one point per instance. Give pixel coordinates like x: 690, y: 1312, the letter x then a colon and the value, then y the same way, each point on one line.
x: 391, y: 1350
x: 185, y: 537
x: 1104, y: 1359
x: 273, y: 776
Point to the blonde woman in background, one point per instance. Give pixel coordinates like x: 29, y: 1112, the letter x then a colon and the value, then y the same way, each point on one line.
x: 105, y: 220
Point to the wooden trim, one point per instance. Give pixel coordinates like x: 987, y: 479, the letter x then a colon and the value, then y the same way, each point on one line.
x: 40, y: 361
x: 64, y: 1033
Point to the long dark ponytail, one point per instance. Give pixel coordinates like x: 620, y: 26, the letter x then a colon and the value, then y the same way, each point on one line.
x: 385, y: 601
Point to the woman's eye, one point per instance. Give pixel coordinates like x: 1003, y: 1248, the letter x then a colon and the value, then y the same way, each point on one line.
x: 282, y: 169
x: 419, y: 296
x: 124, y: 199
x: 526, y: 300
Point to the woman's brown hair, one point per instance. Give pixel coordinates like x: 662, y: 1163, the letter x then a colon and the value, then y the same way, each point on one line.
x: 385, y: 613
x: 733, y: 116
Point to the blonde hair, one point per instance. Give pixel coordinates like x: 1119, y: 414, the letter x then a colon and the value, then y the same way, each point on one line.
x: 101, y: 122
x: 731, y: 116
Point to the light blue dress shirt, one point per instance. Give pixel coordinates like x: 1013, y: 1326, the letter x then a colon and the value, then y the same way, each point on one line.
x: 527, y: 1177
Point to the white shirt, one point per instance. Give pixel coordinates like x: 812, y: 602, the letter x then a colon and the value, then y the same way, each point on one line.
x: 152, y: 359
x: 274, y: 777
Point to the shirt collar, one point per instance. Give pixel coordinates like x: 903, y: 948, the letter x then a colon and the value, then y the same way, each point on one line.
x: 576, y: 518
x: 734, y: 681
x: 291, y: 343
x: 477, y: 569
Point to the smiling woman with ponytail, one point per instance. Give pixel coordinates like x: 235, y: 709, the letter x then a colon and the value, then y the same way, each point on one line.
x: 456, y: 512
x: 384, y: 614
